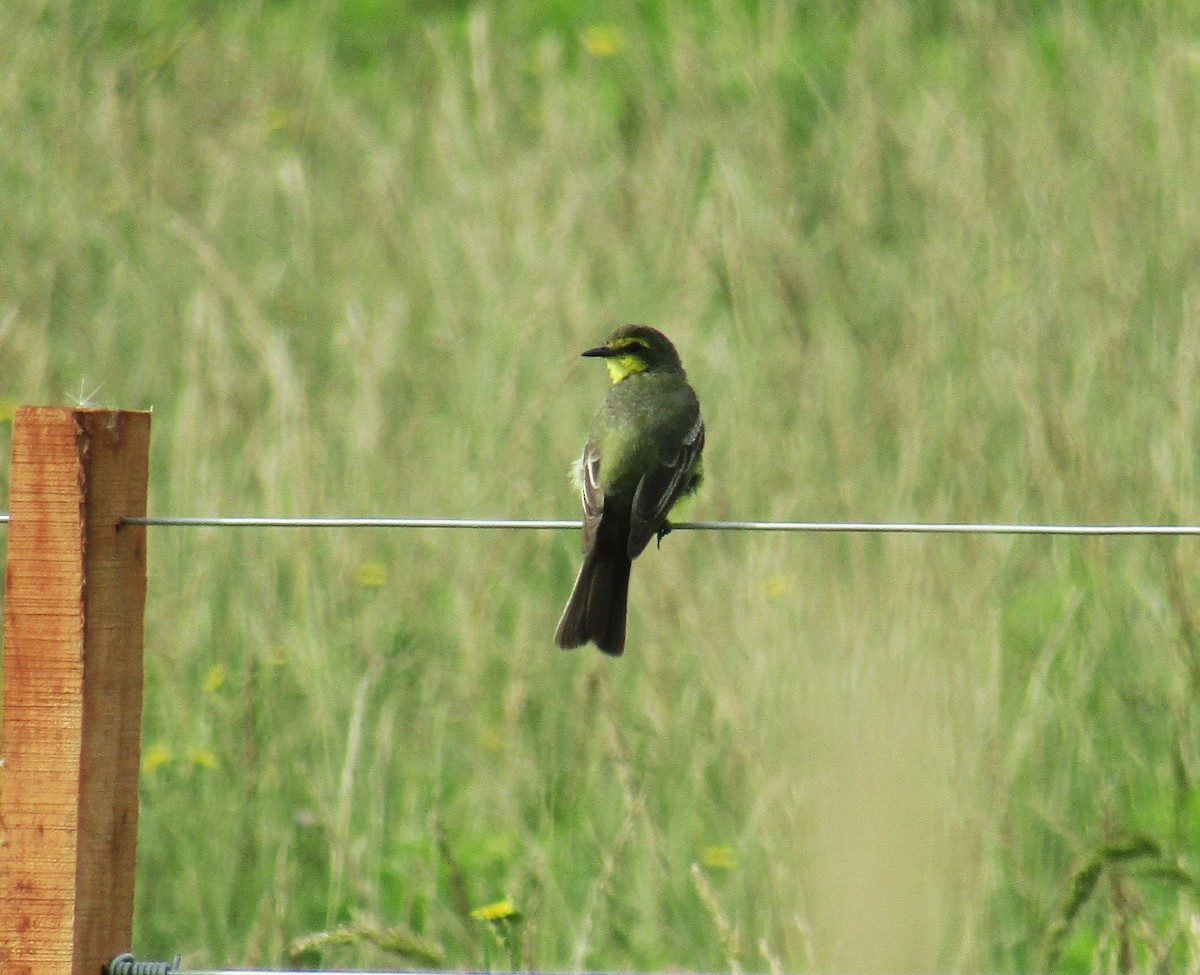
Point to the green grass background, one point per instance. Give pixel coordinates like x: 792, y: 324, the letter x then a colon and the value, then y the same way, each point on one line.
x: 928, y: 262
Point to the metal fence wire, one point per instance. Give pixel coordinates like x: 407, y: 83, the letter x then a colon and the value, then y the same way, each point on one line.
x: 559, y: 524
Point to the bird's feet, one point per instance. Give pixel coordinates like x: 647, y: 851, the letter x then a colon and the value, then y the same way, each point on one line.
x: 662, y: 533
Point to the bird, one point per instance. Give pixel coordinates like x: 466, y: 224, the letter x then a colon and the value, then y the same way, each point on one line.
x: 642, y: 455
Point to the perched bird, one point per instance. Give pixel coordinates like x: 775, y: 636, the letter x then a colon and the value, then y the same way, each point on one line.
x: 642, y: 455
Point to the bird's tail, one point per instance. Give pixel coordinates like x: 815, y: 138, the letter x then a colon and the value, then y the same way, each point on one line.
x: 596, y: 609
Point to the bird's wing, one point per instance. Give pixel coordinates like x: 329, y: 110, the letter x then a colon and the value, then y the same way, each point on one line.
x: 591, y: 493
x: 662, y: 485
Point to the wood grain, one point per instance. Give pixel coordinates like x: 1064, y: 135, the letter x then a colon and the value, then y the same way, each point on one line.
x: 72, y: 688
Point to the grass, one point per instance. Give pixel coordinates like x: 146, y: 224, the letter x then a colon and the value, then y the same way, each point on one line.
x: 919, y: 268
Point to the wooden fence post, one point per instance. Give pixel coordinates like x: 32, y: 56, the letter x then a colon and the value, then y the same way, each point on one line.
x: 72, y: 688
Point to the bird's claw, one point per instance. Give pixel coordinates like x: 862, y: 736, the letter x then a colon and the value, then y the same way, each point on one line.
x: 662, y: 533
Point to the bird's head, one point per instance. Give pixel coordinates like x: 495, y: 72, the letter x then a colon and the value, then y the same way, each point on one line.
x: 637, y: 348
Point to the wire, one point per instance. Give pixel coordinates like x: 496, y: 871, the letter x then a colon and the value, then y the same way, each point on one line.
x: 912, y: 528
x: 275, y: 971
x: 558, y: 524
x: 266, y: 522
x: 920, y: 528
x: 126, y: 965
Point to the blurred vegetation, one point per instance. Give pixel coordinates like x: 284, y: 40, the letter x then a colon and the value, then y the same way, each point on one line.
x: 923, y: 262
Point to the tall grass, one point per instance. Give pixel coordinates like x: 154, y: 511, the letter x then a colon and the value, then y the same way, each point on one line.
x: 934, y: 268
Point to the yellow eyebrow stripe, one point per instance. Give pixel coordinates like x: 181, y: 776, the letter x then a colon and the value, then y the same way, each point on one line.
x: 628, y: 342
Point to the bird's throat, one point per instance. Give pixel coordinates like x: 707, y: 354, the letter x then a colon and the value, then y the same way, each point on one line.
x: 623, y: 366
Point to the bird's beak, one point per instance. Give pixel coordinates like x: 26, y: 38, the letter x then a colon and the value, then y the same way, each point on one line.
x: 601, y: 352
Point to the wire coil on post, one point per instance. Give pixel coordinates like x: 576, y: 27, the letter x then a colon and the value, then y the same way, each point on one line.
x: 126, y: 964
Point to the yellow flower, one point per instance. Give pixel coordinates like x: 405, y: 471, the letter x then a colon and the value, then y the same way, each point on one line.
x: 775, y: 586
x: 717, y: 857
x: 603, y: 40
x: 497, y: 911
x: 214, y: 680
x: 202, y: 758
x: 371, y: 575
x: 155, y: 757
